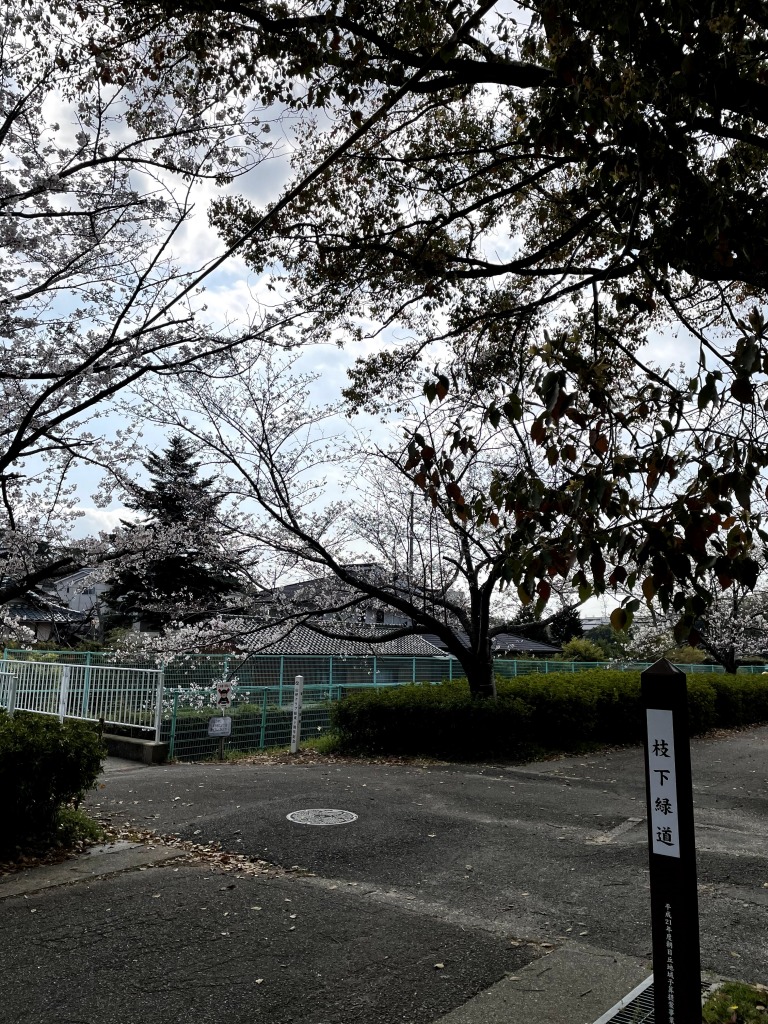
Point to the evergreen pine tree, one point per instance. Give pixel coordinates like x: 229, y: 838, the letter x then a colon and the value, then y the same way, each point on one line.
x: 565, y: 626
x: 191, y: 576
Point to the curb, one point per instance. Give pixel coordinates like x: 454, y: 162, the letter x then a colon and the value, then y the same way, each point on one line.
x: 96, y: 863
x: 573, y: 985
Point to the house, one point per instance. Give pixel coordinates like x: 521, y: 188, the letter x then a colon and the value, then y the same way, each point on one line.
x: 82, y: 591
x: 321, y: 598
x: 314, y: 597
x: 47, y: 619
x: 306, y: 640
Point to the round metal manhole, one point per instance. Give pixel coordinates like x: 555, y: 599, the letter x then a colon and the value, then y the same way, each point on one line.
x: 321, y: 816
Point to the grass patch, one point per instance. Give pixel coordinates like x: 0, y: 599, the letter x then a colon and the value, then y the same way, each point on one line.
x: 327, y: 744
x: 76, y: 828
x: 737, y: 1003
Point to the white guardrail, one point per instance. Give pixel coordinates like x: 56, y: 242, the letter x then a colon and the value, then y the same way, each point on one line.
x: 120, y: 696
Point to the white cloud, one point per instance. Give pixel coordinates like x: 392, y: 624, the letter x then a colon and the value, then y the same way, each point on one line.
x: 100, y: 520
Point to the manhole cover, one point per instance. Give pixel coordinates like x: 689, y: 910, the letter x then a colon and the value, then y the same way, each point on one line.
x: 321, y: 816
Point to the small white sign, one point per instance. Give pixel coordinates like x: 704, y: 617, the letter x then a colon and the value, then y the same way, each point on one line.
x: 220, y: 726
x: 224, y: 694
x: 665, y: 835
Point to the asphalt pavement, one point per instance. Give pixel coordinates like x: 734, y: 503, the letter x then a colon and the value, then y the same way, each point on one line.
x: 456, y: 894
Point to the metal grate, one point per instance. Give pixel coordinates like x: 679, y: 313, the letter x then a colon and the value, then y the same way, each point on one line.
x: 637, y: 1006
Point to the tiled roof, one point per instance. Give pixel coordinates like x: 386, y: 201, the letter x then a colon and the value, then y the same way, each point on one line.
x: 50, y: 613
x: 305, y: 640
x: 504, y: 642
x: 277, y: 639
x: 522, y: 645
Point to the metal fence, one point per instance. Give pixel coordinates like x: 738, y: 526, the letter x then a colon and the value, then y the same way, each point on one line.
x: 280, y: 670
x: 261, y: 718
x: 266, y: 669
x: 176, y: 703
x: 125, y: 696
x: 509, y: 669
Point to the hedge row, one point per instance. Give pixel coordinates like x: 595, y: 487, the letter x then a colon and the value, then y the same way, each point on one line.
x: 44, y: 766
x: 532, y: 715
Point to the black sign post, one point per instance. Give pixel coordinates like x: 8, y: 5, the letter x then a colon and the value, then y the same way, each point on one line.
x: 671, y: 847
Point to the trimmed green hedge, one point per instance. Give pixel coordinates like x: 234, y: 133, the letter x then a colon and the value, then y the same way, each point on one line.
x: 534, y: 714
x: 44, y: 766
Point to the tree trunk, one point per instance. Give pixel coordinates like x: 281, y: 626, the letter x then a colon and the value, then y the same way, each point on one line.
x: 729, y: 660
x: 480, y: 674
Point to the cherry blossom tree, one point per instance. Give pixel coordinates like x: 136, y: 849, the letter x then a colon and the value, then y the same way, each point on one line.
x: 580, y: 178
x: 733, y: 627
x: 106, y: 143
x: 340, y: 515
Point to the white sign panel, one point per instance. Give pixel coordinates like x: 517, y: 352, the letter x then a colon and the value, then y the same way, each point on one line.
x: 220, y: 726
x: 665, y: 837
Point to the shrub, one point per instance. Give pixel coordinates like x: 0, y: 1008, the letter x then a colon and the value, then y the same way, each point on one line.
x: 44, y: 766
x: 557, y: 712
x: 435, y: 721
x: 686, y: 655
x: 740, y: 700
x: 581, y: 649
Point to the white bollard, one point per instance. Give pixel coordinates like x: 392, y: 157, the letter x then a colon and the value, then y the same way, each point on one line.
x: 298, y: 695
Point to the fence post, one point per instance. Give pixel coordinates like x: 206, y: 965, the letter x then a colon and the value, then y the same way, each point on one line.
x: 375, y: 670
x: 172, y: 744
x: 282, y: 672
x: 298, y: 693
x: 86, y: 686
x: 10, y: 701
x: 159, y: 704
x: 263, y: 733
x: 64, y: 691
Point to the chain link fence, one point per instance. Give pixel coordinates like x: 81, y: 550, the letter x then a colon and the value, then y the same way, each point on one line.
x: 261, y: 716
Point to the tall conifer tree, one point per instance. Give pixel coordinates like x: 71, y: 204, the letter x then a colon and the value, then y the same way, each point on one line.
x: 190, y: 575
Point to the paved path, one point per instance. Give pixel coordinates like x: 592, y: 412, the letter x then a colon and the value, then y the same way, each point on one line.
x: 481, y: 870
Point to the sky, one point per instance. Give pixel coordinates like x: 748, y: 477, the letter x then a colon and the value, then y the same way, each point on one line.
x: 233, y: 292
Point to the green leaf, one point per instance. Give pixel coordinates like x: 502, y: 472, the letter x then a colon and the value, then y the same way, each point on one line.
x: 619, y: 620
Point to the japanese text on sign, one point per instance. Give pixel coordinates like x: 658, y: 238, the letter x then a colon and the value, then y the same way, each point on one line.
x: 663, y: 783
x: 670, y: 961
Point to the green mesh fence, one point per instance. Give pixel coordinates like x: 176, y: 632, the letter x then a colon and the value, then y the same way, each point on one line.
x: 262, y: 708
x: 261, y: 718
x: 280, y: 670
x: 267, y: 670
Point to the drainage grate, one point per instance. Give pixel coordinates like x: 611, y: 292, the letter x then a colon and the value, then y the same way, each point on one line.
x: 637, y: 1006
